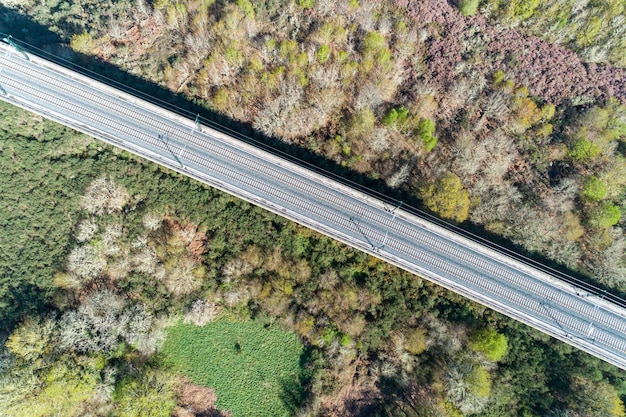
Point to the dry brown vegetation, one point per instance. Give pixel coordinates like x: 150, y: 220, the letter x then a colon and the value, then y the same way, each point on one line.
x: 196, y: 401
x: 410, y: 92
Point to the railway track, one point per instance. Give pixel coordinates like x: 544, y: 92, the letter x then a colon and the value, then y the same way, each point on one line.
x: 568, y: 313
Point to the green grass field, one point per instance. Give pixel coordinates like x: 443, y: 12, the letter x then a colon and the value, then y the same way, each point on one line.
x: 255, y: 371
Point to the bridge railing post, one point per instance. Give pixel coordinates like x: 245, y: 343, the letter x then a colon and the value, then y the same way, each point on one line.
x: 9, y: 40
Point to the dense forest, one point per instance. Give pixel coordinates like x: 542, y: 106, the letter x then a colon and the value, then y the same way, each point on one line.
x: 594, y: 30
x: 474, y: 116
x: 137, y: 274
x: 115, y: 273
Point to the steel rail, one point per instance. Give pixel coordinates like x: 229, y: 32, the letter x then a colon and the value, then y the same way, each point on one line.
x: 504, y: 284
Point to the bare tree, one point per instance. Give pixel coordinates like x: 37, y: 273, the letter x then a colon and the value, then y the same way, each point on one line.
x: 399, y: 177
x: 461, y: 389
x: 198, y: 47
x: 152, y: 221
x: 369, y: 97
x: 275, y: 116
x: 145, y: 261
x: 104, y: 321
x: 86, y: 229
x: 609, y: 265
x: 109, y: 239
x: 103, y: 196
x: 495, y: 201
x: 106, y: 386
x: 497, y: 106
x: 326, y: 76
x: 236, y: 296
x: 219, y: 70
x: 144, y: 8
x: 234, y: 269
x: 97, y: 325
x: 379, y: 141
x: 142, y: 333
x: 120, y: 268
x: 85, y: 262
x: 184, y: 278
x: 202, y: 312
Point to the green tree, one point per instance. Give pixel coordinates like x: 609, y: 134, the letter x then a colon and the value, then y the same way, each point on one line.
x: 548, y: 111
x: 468, y: 7
x: 595, y: 399
x: 390, y: 118
x: 373, y: 41
x: 375, y: 52
x: 246, y: 7
x: 596, y: 118
x: 425, y: 130
x: 524, y: 9
x: 83, y: 43
x: 604, y: 215
x: 616, y: 123
x: 447, y: 197
x: 588, y: 34
x: 151, y: 394
x: 396, y: 117
x: 361, y: 123
x: 467, y: 385
x: 479, y: 381
x: 306, y: 4
x: 489, y: 342
x: 582, y: 149
x: 323, y: 54
x: 63, y: 391
x: 32, y: 340
x: 593, y: 189
x: 416, y: 341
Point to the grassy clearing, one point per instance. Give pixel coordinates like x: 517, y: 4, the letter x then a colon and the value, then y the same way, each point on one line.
x: 254, y: 370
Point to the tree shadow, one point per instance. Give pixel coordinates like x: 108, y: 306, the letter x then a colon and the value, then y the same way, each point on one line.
x: 29, y: 34
x: 292, y: 394
x: 295, y: 388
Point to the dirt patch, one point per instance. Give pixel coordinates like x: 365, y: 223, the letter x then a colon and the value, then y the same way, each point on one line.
x: 197, y: 401
x: 195, y: 240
